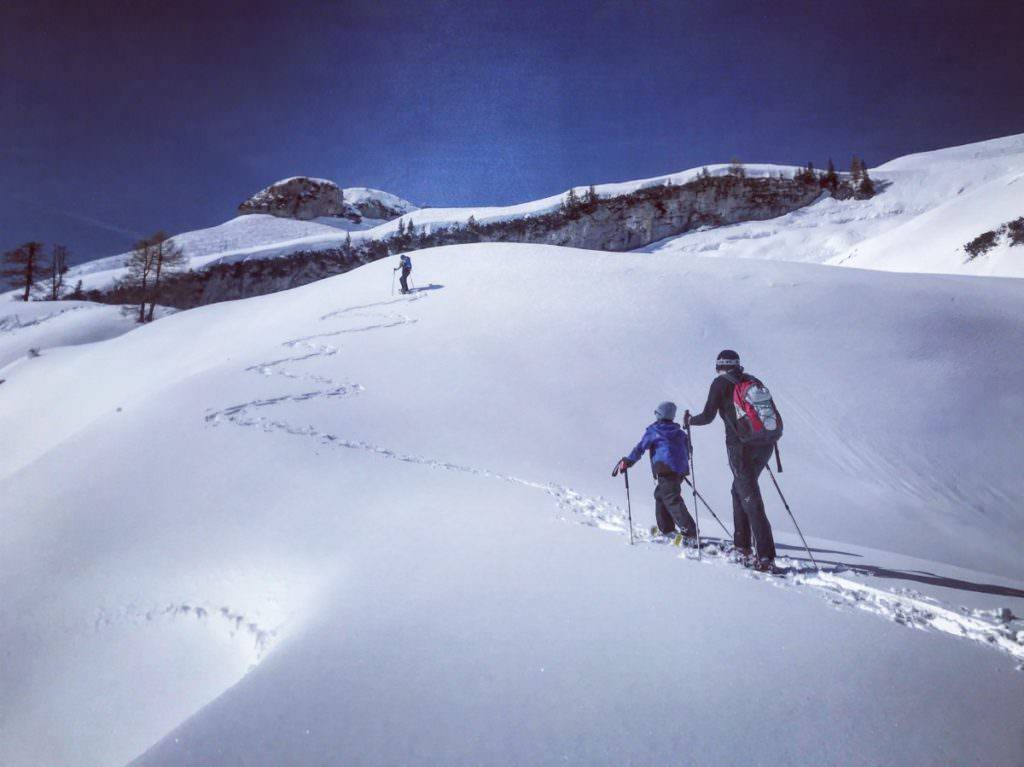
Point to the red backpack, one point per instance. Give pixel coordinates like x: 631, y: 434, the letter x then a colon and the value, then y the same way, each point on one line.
x: 757, y: 419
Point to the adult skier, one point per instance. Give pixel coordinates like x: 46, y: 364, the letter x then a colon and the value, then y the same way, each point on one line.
x: 747, y: 459
x: 670, y: 456
x: 405, y: 264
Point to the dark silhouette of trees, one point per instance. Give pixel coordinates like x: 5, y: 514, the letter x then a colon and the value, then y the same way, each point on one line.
x: 866, y: 187
x: 151, y: 262
x: 22, y: 267
x: 856, y: 169
x: 830, y: 180
x: 53, y: 273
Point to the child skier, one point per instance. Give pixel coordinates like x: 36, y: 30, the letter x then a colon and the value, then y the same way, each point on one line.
x: 665, y: 441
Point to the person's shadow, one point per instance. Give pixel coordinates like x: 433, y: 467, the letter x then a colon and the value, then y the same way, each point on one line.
x: 424, y: 288
x: 917, y: 576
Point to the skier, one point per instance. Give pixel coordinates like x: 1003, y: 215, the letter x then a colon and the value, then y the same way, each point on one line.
x: 405, y: 264
x: 747, y: 459
x: 670, y: 456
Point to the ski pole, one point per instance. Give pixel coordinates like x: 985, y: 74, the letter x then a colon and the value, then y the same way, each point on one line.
x: 629, y: 509
x: 392, y: 282
x: 779, y: 489
x: 693, y: 473
x: 708, y: 507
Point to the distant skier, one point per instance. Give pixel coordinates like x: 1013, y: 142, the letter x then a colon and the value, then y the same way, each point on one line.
x: 749, y: 442
x: 405, y: 264
x: 670, y: 457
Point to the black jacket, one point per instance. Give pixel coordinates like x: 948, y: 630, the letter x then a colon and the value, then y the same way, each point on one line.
x: 720, y: 403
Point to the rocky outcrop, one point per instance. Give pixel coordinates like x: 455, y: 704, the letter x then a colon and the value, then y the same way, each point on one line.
x: 307, y: 198
x: 375, y: 205
x: 634, y: 220
x: 299, y: 197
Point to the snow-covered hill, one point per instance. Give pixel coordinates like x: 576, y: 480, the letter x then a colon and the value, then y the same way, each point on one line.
x: 931, y: 204
x: 397, y: 511
x: 45, y: 324
x: 264, y: 236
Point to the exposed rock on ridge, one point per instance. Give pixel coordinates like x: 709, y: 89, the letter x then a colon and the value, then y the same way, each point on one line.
x: 305, y: 198
x: 299, y: 197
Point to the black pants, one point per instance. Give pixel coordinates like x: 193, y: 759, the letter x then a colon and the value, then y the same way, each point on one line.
x: 403, y: 278
x: 747, y: 462
x: 669, y: 508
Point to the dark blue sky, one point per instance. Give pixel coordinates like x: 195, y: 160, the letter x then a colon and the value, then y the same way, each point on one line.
x: 121, y: 118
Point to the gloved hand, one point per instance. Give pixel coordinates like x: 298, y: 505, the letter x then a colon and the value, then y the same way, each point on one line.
x: 686, y: 419
x: 622, y: 465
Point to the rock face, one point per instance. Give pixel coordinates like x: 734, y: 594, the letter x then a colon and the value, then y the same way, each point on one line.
x: 305, y: 198
x: 299, y: 197
x: 648, y: 215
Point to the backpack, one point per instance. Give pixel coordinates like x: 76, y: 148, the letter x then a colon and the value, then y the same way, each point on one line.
x: 757, y: 419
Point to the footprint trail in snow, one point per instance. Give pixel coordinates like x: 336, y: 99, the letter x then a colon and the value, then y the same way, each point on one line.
x: 910, y: 608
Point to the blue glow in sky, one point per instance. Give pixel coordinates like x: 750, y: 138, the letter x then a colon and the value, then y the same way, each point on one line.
x: 121, y: 118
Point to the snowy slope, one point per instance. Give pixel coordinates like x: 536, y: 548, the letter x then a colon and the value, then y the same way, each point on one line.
x: 41, y: 325
x: 399, y: 510
x: 930, y: 205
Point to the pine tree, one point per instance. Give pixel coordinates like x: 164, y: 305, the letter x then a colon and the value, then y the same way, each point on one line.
x: 866, y: 189
x: 591, y: 198
x: 806, y: 175
x: 736, y: 169
x: 855, y: 169
x: 830, y: 180
x: 471, y: 223
x: 571, y: 200
x: 25, y: 267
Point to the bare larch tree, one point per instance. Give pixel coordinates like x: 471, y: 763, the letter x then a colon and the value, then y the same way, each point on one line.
x: 22, y: 266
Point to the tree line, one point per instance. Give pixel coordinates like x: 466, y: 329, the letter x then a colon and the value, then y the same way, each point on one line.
x: 34, y: 272
x: 38, y: 275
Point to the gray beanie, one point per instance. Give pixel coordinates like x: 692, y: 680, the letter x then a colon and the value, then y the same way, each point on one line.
x: 666, y: 411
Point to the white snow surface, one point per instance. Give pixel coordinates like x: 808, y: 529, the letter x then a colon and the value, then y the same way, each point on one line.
x: 356, y: 195
x: 928, y: 207
x: 41, y: 325
x: 338, y: 526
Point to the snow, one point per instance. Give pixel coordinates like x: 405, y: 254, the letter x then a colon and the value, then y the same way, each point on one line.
x: 356, y: 195
x: 302, y: 178
x: 928, y: 207
x: 334, y: 525
x: 41, y: 325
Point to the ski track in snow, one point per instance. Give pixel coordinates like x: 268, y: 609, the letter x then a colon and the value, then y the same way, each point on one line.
x: 11, y: 323
x: 906, y: 606
x: 223, y: 618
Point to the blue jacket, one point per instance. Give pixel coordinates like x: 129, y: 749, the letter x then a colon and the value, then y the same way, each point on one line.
x: 666, y: 443
x: 406, y: 262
